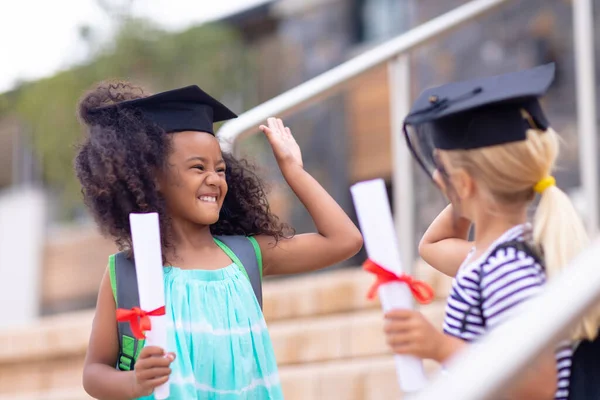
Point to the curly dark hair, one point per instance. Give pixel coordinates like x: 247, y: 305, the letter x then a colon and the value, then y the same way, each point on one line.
x: 120, y: 156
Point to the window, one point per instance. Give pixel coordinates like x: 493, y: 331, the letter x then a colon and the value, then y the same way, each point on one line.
x: 378, y: 20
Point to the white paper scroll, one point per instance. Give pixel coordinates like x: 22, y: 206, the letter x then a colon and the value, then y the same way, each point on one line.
x: 145, y: 233
x: 375, y: 219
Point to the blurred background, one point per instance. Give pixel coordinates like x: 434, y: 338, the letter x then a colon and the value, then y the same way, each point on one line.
x: 244, y: 52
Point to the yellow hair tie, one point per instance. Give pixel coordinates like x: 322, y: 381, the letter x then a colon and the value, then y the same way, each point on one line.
x: 544, y: 184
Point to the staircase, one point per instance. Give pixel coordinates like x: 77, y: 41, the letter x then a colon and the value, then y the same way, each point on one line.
x: 328, y: 341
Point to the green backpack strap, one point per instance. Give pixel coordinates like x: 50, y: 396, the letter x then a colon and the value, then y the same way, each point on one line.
x: 243, y: 250
x: 125, y: 290
x: 247, y: 251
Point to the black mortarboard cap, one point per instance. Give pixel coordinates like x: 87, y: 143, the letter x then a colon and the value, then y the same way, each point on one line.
x: 477, y: 113
x: 185, y: 109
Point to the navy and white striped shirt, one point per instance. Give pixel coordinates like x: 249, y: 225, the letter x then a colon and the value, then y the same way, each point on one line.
x: 485, y: 290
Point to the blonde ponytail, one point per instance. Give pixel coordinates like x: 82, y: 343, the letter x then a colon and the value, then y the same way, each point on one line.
x: 512, y: 173
x: 559, y: 231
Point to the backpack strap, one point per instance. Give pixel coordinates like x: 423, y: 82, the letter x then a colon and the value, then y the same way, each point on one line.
x: 520, y: 245
x: 525, y: 246
x: 247, y: 250
x: 125, y: 290
x: 244, y: 251
x: 585, y: 367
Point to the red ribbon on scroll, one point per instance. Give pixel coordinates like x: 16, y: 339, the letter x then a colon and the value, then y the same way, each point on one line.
x: 421, y: 291
x: 138, y: 319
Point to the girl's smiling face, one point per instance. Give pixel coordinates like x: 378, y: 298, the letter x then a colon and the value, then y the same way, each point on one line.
x: 193, y: 183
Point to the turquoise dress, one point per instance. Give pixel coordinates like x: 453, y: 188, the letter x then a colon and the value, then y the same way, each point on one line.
x: 219, y: 335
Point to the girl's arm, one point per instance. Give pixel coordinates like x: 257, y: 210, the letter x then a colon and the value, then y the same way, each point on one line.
x: 538, y: 382
x: 337, y: 237
x: 103, y: 350
x: 101, y: 379
x: 445, y: 244
x: 409, y: 332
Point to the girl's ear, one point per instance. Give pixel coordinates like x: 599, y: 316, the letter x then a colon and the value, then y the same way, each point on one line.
x: 439, y: 181
x: 463, y: 183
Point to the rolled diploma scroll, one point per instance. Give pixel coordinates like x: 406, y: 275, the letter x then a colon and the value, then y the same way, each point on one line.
x: 375, y: 219
x: 145, y: 233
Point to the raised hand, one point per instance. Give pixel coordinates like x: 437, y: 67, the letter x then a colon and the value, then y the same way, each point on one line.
x: 151, y: 370
x: 286, y: 150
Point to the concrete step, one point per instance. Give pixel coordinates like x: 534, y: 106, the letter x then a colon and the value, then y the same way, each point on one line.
x: 60, y: 394
x: 48, y: 358
x: 76, y: 259
x: 371, y: 378
x: 317, y: 294
x: 331, y: 293
x: 336, y: 337
x: 334, y: 323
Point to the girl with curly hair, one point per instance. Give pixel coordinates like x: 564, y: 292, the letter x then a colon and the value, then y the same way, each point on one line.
x: 159, y: 154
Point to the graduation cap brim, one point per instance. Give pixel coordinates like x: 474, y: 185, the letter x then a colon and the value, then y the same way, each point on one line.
x: 457, y: 97
x: 477, y: 113
x: 185, y: 109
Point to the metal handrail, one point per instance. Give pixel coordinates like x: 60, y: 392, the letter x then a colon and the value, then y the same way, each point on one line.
x: 583, y: 34
x: 540, y: 322
x: 395, y: 53
x: 320, y: 86
x: 536, y: 325
x: 543, y: 318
